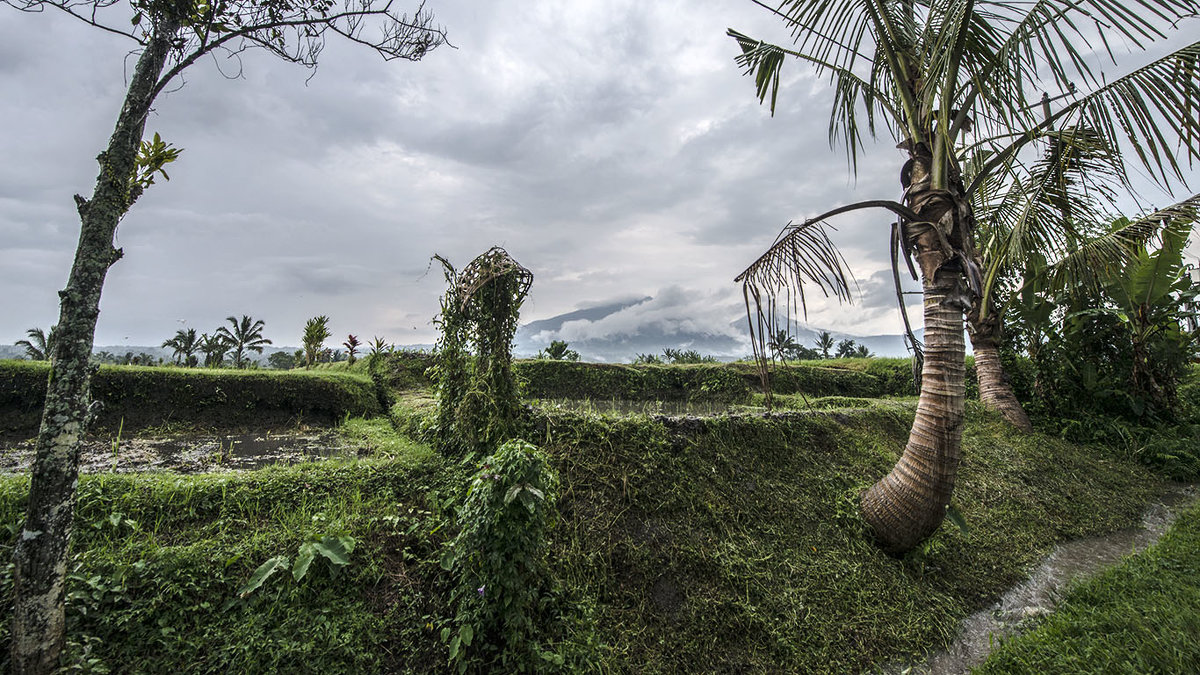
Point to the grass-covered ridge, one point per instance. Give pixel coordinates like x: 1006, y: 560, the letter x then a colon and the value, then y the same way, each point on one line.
x: 688, y: 545
x: 135, y: 397
x: 725, y: 382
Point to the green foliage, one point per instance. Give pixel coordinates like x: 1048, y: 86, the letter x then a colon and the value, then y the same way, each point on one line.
x: 152, y: 156
x: 39, y: 344
x: 281, y: 361
x: 150, y: 397
x: 724, y: 544
x: 316, y: 331
x: 478, y: 406
x: 558, y: 351
x: 378, y: 438
x: 159, y: 561
x: 1115, y: 349
x: 335, y: 549
x: 727, y: 382
x: 499, y: 561
x: 682, y: 356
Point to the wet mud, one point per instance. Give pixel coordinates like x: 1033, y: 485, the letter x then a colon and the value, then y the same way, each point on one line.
x: 194, y: 453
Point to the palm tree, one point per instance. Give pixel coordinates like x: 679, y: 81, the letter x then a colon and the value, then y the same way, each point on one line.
x: 1051, y: 212
x: 783, y: 344
x: 183, y: 344
x: 38, y: 346
x: 862, y: 352
x: 246, y: 335
x: 825, y: 343
x: 214, y: 347
x: 316, y: 331
x: 932, y: 73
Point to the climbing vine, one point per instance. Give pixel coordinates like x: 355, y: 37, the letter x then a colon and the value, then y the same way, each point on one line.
x: 499, y: 561
x: 478, y: 408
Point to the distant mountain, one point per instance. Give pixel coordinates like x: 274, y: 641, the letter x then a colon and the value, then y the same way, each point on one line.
x: 619, y: 331
x: 555, y: 323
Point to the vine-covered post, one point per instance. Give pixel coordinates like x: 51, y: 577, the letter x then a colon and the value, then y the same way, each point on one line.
x: 478, y: 406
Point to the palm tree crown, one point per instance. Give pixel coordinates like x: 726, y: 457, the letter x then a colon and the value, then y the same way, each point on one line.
x: 38, y: 346
x: 951, y: 80
x: 246, y: 335
x: 183, y: 344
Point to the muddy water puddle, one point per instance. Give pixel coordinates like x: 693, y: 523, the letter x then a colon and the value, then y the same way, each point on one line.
x: 193, y: 453
x: 1037, y: 596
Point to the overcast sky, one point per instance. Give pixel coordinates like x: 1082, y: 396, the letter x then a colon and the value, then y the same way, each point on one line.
x: 612, y: 147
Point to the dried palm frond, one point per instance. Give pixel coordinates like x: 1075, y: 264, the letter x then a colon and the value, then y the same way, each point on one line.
x: 800, y: 254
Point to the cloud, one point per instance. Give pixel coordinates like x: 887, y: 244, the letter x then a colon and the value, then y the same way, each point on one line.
x: 614, y: 148
x: 673, y: 311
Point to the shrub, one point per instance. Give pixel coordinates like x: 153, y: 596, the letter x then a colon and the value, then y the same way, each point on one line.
x: 144, y: 397
x: 499, y: 561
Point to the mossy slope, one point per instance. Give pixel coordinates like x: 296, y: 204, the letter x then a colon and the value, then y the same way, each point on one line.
x: 715, y: 545
x: 135, y: 397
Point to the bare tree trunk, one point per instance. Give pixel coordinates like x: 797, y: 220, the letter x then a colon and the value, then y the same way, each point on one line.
x: 995, y: 391
x: 909, y: 504
x: 41, y: 551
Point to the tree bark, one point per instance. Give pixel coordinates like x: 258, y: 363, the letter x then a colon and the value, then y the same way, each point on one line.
x: 41, y: 552
x: 909, y: 504
x: 995, y: 391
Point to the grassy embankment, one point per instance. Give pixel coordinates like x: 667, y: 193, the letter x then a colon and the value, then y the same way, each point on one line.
x: 138, y: 397
x: 729, y: 544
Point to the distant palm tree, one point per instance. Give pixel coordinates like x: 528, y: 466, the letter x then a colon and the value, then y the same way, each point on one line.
x: 825, y: 343
x: 862, y: 352
x: 183, y: 344
x: 246, y: 335
x: 38, y: 346
x: 214, y: 348
x: 783, y: 344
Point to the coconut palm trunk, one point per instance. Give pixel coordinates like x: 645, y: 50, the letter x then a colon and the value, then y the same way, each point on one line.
x: 909, y: 503
x: 995, y: 390
x: 41, y: 550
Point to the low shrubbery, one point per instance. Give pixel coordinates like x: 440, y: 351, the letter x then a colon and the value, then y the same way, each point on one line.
x: 728, y: 382
x: 134, y: 397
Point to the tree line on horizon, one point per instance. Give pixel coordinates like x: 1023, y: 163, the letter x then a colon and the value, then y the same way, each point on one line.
x: 227, y: 346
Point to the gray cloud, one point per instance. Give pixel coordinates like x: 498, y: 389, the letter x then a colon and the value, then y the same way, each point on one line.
x: 614, y: 148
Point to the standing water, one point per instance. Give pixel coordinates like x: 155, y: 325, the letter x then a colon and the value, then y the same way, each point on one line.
x: 1037, y: 596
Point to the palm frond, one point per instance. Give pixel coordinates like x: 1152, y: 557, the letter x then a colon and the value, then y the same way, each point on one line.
x: 801, y: 254
x: 1048, y: 206
x: 1087, y: 264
